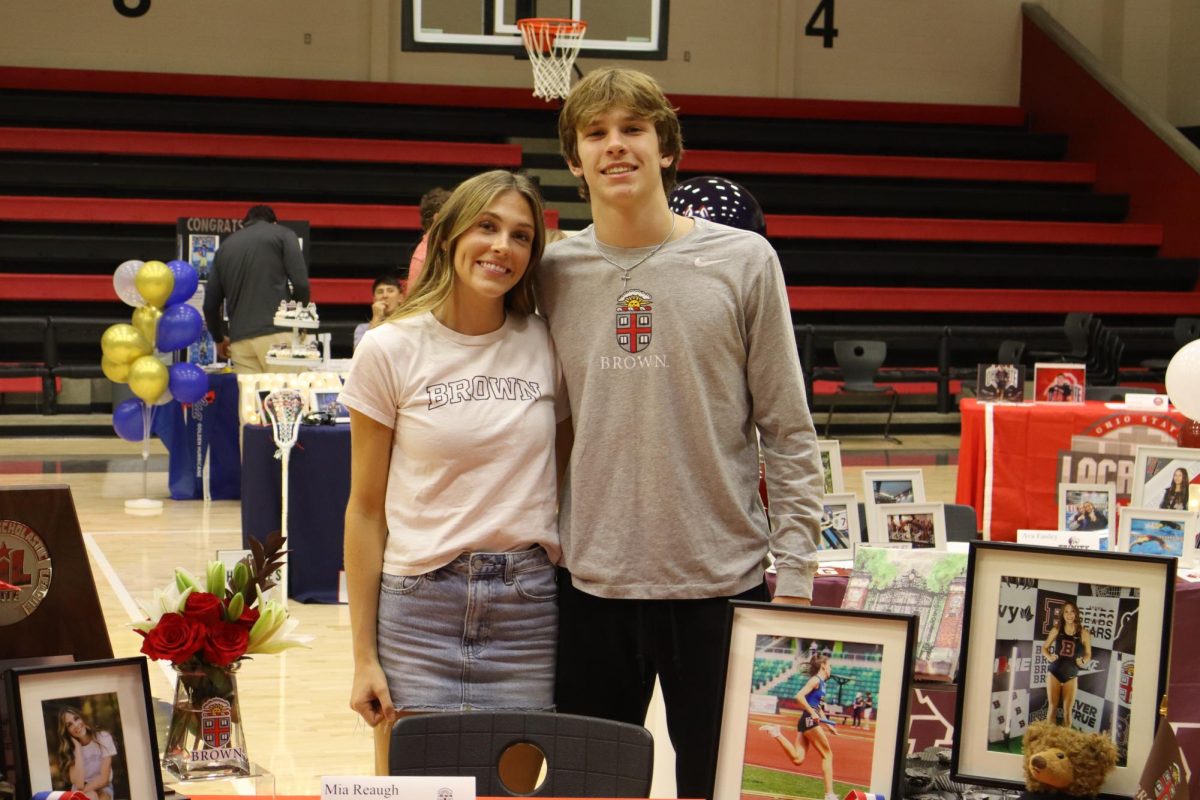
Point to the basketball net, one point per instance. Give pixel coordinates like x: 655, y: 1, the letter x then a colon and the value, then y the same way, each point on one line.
x: 552, y: 45
x: 283, y: 408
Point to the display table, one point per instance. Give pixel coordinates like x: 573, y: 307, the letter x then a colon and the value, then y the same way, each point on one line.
x: 319, y: 472
x: 1008, y: 457
x: 205, y: 430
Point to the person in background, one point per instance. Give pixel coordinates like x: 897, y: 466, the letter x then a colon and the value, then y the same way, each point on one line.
x: 1178, y: 493
x: 431, y: 203
x: 386, y: 295
x: 669, y: 330
x: 255, y: 268
x: 450, y: 533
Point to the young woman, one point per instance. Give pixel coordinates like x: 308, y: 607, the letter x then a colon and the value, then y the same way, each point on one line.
x: 810, y: 730
x: 451, y: 537
x: 1068, y: 648
x: 1176, y: 495
x: 85, y: 755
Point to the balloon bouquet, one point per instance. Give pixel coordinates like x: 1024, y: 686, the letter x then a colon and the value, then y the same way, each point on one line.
x: 161, y: 320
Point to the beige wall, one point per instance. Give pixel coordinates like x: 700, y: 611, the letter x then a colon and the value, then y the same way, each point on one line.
x: 946, y: 51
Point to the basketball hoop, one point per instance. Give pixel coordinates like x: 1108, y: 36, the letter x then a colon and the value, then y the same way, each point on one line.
x: 552, y: 45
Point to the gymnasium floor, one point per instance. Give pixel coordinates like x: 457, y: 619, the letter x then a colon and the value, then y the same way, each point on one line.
x: 298, y: 724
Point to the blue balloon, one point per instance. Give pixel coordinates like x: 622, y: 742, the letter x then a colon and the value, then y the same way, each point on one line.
x: 720, y: 200
x: 186, y: 281
x: 187, y: 382
x: 127, y: 419
x: 178, y: 327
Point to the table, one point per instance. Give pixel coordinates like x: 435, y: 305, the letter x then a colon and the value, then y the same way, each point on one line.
x: 319, y: 472
x: 1008, y: 464
x: 205, y: 430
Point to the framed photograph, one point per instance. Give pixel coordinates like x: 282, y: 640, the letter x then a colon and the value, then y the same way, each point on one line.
x: 802, y: 683
x: 1068, y: 540
x: 839, y: 527
x: 1059, y: 383
x: 923, y: 525
x: 84, y: 722
x: 1087, y: 507
x: 831, y: 465
x: 1163, y: 477
x: 889, y: 486
x: 1000, y: 383
x: 326, y: 400
x: 1158, y: 532
x: 202, y: 248
x: 1057, y: 634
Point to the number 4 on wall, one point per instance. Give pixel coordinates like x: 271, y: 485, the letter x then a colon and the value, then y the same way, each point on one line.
x: 823, y: 14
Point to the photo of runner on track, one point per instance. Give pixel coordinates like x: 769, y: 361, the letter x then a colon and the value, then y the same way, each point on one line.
x: 801, y: 740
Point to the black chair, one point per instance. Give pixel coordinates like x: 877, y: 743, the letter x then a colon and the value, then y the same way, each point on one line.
x: 1077, y: 327
x: 26, y: 348
x: 1186, y: 329
x: 859, y: 361
x: 1011, y: 351
x: 961, y: 523
x: 584, y: 756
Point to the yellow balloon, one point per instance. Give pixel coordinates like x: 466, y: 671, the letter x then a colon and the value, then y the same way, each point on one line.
x: 145, y: 319
x: 148, y: 378
x: 123, y: 343
x: 155, y: 282
x: 117, y: 373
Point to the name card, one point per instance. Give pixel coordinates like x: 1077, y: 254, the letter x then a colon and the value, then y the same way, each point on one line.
x: 420, y: 787
x: 1156, y: 402
x: 1065, y: 540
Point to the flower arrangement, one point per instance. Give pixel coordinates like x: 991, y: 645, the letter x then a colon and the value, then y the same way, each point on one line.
x: 214, y: 624
x: 206, y: 631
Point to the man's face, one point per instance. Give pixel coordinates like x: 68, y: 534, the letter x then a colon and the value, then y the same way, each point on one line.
x: 388, y: 295
x: 619, y: 157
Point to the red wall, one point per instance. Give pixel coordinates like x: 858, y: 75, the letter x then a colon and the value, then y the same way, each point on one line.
x: 1061, y: 97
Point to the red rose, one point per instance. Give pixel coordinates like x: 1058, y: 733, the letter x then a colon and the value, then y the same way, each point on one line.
x: 175, y: 638
x: 203, y: 607
x: 248, y: 618
x: 225, y: 643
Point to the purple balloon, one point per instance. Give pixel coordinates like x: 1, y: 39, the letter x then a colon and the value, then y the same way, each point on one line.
x: 127, y: 419
x: 186, y: 281
x: 187, y: 382
x: 178, y: 327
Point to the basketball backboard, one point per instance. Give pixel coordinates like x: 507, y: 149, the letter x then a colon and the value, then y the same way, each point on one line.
x: 616, y: 28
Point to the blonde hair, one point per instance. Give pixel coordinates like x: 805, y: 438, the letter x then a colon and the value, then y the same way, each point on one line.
x: 613, y: 87
x: 472, y: 197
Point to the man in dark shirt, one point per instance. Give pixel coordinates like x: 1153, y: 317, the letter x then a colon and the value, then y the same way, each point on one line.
x: 251, y: 274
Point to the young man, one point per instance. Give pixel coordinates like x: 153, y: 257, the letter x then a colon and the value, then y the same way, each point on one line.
x: 386, y: 294
x: 676, y: 343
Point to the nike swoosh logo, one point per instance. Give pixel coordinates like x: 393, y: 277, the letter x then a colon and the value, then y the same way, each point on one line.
x: 708, y: 262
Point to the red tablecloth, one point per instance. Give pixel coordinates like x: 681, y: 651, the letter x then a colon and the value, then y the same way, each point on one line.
x: 1008, y: 465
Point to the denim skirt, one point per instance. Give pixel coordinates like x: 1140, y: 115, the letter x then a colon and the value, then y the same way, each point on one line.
x: 479, y: 633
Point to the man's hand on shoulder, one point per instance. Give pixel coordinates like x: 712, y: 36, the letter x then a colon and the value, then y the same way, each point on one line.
x: 789, y: 600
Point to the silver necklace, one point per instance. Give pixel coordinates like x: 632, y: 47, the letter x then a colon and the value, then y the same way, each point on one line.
x: 626, y: 270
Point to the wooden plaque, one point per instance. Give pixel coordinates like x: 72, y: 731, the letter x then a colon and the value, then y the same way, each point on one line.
x: 48, y: 600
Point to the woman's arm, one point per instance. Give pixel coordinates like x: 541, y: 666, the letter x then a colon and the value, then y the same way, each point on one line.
x: 802, y: 697
x: 1085, y: 639
x: 75, y: 775
x: 365, y: 540
x: 100, y: 779
x: 1046, y: 654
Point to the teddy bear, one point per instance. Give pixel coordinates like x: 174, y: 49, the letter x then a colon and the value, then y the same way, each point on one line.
x: 1064, y: 762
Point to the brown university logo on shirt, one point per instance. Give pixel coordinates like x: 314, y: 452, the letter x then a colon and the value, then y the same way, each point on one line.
x: 635, y: 321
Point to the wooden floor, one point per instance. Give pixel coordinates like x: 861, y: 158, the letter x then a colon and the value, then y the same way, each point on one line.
x: 298, y: 723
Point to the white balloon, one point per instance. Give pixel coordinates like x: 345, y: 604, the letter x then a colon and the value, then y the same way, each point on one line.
x: 1183, y: 379
x: 125, y: 283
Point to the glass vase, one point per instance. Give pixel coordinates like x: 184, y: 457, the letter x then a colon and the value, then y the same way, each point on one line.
x: 205, y: 737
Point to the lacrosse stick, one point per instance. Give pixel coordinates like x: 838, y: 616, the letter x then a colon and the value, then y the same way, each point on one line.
x: 283, y: 408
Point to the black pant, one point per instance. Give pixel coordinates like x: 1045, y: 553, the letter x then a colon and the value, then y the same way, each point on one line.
x: 609, y: 652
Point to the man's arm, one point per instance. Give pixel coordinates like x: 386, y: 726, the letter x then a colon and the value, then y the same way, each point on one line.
x: 297, y: 270
x: 214, y: 299
x: 795, y: 482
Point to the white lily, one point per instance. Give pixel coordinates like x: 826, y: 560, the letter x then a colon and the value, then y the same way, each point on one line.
x: 166, y: 601
x: 272, y: 632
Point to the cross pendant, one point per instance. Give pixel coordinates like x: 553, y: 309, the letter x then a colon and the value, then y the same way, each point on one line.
x: 624, y: 281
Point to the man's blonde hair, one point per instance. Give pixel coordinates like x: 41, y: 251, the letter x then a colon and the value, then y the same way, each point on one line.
x: 604, y: 89
x: 472, y: 197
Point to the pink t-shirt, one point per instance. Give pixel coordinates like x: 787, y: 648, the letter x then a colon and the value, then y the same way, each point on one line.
x: 416, y: 263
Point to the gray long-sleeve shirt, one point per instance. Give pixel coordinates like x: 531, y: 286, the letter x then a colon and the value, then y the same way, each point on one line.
x: 251, y: 271
x: 671, y: 383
